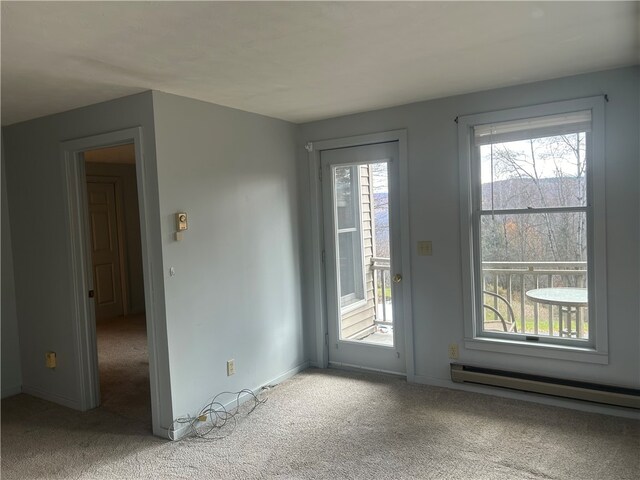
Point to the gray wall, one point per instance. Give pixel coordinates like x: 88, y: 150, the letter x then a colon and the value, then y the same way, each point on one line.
x: 11, y: 369
x: 133, y: 248
x: 39, y: 232
x: 236, y: 293
x: 434, y: 215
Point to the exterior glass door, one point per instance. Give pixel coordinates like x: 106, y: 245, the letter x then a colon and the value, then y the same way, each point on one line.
x: 361, y: 231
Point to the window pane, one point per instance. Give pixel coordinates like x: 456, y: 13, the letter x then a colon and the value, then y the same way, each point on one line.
x: 534, y: 274
x: 347, y: 264
x: 535, y: 237
x: 537, y: 173
x: 346, y: 204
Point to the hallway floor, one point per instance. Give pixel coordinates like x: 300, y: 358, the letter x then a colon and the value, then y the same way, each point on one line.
x: 123, y: 362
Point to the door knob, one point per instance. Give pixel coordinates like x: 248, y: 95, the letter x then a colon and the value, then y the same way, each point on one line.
x: 397, y: 278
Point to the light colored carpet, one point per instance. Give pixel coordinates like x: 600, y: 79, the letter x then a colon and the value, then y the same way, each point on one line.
x: 325, y: 424
x: 123, y: 362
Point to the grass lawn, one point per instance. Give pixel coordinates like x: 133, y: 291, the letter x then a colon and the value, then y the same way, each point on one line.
x: 492, y: 322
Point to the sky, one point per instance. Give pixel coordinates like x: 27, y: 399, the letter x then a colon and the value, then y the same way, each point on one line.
x: 545, y: 168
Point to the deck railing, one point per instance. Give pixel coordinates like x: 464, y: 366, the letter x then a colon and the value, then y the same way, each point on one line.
x: 381, y: 268
x: 512, y: 280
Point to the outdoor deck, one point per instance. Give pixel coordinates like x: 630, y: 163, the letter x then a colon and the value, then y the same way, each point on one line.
x: 507, y: 306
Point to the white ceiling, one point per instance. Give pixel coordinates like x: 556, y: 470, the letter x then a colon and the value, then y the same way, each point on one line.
x: 299, y: 61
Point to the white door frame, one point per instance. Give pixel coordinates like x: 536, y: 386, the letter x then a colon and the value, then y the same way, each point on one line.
x: 82, y: 276
x: 317, y: 239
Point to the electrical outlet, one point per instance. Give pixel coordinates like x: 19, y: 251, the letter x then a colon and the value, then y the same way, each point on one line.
x: 51, y: 359
x: 453, y: 351
x: 231, y: 367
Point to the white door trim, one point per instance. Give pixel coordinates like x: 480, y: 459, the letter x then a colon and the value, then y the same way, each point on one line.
x: 82, y: 277
x: 317, y: 239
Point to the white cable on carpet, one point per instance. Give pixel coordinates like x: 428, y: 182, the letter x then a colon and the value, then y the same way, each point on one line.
x: 213, y: 417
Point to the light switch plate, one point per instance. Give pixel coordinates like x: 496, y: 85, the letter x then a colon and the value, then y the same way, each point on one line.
x: 425, y: 248
x: 51, y: 359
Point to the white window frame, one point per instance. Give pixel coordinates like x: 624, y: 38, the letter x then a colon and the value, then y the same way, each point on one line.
x: 357, y: 299
x: 595, y: 350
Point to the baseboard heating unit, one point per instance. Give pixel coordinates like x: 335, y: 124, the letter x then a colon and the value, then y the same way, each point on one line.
x: 591, y: 392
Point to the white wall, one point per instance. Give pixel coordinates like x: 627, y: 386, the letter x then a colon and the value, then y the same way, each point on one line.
x: 236, y: 293
x: 11, y: 369
x: 39, y: 232
x: 434, y: 215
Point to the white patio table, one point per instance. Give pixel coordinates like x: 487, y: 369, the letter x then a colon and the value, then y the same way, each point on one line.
x: 568, y: 300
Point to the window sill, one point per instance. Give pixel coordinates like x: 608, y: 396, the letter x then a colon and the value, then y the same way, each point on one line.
x: 558, y: 352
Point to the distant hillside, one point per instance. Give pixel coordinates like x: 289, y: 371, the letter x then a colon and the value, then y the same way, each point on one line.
x: 523, y: 193
x: 512, y: 193
x: 534, y: 237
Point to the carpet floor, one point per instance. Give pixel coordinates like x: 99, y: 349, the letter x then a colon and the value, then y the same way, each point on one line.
x: 123, y: 363
x: 324, y: 424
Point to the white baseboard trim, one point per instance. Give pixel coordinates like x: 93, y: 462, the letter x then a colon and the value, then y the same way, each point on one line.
x: 52, y: 397
x: 288, y: 374
x: 530, y: 397
x: 180, y: 433
x: 11, y: 390
x: 161, y: 432
x: 357, y: 368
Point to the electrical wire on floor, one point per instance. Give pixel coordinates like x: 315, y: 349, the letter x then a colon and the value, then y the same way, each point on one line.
x: 214, y: 420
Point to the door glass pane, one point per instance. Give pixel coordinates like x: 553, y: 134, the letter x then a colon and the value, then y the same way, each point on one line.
x: 363, y: 253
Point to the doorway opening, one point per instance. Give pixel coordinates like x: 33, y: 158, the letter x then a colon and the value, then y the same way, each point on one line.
x: 115, y: 248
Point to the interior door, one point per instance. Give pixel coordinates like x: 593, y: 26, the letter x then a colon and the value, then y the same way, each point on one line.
x: 362, y: 258
x: 105, y: 249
